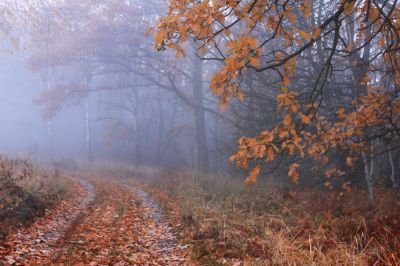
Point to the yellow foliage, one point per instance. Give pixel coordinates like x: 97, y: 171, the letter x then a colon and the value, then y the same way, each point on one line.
x: 315, y: 33
x: 252, y: 177
x: 304, y: 35
x: 271, y: 154
x: 302, y: 128
x: 293, y: 172
x: 305, y: 119
x: 348, y: 6
x: 287, y: 120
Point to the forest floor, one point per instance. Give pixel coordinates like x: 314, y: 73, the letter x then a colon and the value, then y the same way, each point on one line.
x: 268, y: 224
x: 121, y: 215
x: 100, y: 222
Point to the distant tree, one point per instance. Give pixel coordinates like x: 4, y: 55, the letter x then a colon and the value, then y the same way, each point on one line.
x: 356, y: 42
x: 107, y: 43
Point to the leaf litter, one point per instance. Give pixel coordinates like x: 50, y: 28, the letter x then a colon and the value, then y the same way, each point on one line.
x: 33, y: 244
x: 102, y: 223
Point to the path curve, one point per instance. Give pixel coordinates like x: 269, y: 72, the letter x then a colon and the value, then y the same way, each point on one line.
x: 161, y: 232
x: 119, y: 224
x: 42, y: 238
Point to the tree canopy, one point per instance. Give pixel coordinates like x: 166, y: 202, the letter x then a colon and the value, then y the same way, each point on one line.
x: 351, y: 47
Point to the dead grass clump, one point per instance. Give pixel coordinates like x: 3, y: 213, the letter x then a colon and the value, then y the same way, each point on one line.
x: 25, y: 193
x: 269, y: 224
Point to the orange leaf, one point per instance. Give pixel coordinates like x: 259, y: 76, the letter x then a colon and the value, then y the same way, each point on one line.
x: 381, y: 42
x: 240, y: 95
x: 348, y: 7
x: 292, y: 149
x: 293, y: 172
x: 350, y: 161
x: 307, y: 9
x: 254, y: 61
x: 287, y: 120
x: 330, y: 172
x: 341, y: 112
x: 304, y: 35
x: 223, y: 104
x: 305, y: 119
x: 252, y: 178
x: 282, y: 134
x: 285, y: 81
x: 159, y: 37
x: 315, y: 33
x: 271, y: 154
x: 346, y: 186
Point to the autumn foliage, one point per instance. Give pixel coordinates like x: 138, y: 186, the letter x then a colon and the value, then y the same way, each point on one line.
x: 359, y: 39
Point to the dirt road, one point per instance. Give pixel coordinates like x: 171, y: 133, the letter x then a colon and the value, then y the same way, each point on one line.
x: 104, y: 223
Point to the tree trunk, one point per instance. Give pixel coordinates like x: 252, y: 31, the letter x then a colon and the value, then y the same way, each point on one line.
x: 88, y: 124
x: 138, y: 130
x: 358, y: 73
x: 160, y: 127
x: 392, y: 166
x: 45, y: 76
x: 199, y: 115
x: 88, y: 131
x: 50, y: 134
x: 368, y: 177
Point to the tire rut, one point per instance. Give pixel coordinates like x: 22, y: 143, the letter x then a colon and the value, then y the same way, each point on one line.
x: 163, y: 231
x: 42, y: 238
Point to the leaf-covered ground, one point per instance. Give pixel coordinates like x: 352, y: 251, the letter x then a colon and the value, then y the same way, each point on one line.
x: 101, y: 223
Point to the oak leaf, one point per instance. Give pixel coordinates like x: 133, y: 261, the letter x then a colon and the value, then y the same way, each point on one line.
x: 252, y: 178
x: 293, y: 172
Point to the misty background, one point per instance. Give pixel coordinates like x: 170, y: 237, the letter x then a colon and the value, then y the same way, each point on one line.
x: 23, y: 128
x: 28, y: 133
x: 102, y: 91
x: 86, y: 81
x: 25, y: 131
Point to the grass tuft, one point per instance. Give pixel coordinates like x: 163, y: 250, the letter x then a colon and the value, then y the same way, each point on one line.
x: 25, y: 193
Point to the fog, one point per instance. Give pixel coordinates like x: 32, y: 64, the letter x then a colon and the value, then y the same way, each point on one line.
x: 24, y: 131
x: 102, y: 91
x: 253, y: 132
x: 104, y: 80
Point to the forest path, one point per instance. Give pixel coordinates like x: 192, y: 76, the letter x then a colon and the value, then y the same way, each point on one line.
x: 33, y: 244
x: 121, y: 226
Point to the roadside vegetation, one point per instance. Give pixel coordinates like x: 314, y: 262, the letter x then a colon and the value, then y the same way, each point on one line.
x: 280, y: 225
x: 269, y: 131
x: 26, y: 191
x: 225, y: 222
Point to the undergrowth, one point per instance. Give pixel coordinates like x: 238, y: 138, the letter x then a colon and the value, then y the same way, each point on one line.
x: 268, y: 224
x: 25, y: 193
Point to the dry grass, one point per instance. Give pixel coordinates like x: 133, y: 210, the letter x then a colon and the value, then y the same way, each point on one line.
x: 25, y: 192
x: 268, y: 224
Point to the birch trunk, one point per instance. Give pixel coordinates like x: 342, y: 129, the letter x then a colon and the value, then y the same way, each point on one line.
x: 368, y: 168
x: 199, y: 115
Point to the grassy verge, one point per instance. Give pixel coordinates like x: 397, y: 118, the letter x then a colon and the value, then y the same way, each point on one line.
x: 268, y: 224
x: 25, y: 193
